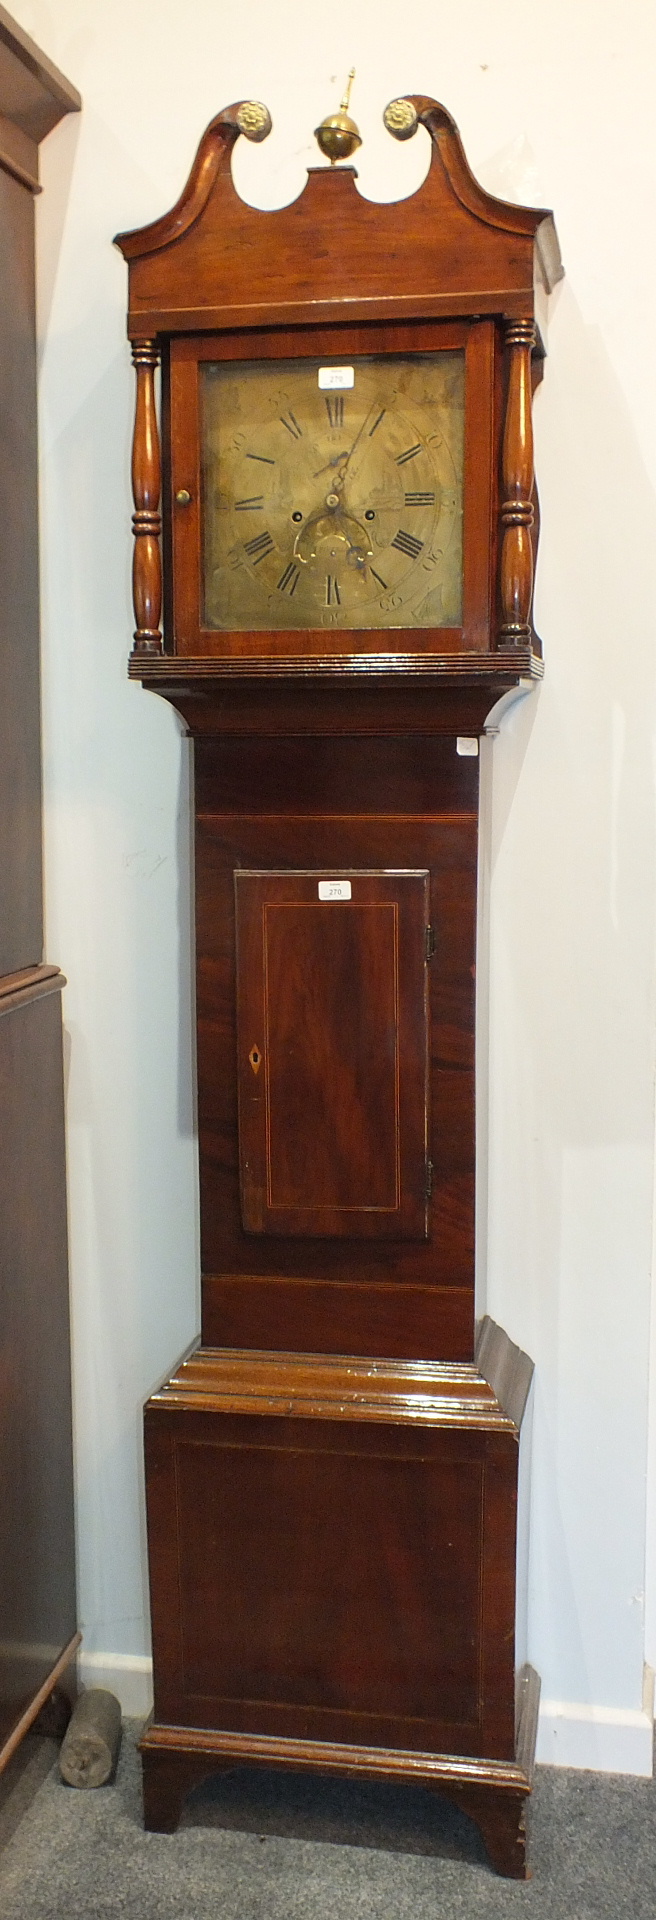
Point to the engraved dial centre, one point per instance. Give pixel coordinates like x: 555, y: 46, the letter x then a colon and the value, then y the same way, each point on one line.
x: 317, y: 513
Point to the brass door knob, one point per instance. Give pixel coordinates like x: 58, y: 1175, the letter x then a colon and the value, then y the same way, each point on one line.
x: 183, y: 497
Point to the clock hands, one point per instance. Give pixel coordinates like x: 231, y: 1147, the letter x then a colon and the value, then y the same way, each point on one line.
x: 347, y: 457
x: 348, y: 452
x: 332, y: 463
x: 331, y: 520
x: 332, y: 533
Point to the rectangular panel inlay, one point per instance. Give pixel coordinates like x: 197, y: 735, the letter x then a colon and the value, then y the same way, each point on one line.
x: 270, y: 1612
x: 332, y: 1053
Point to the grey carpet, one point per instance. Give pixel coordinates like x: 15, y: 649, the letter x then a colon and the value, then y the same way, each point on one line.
x: 275, y: 1847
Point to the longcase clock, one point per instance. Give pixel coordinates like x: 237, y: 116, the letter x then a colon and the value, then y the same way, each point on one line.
x: 347, y: 518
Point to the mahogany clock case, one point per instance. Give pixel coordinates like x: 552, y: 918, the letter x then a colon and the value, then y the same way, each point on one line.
x: 332, y: 1476
x: 337, y: 1178
x: 274, y: 286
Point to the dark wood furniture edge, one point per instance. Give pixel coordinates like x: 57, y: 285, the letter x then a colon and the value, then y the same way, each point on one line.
x: 37, y: 1545
x: 325, y: 1756
x: 442, y: 1393
x: 492, y: 1792
x: 501, y: 1817
x: 506, y: 1368
x: 499, y: 670
x: 31, y: 1713
x: 212, y: 157
x: 445, y: 136
x: 20, y: 131
x: 150, y: 320
x: 32, y: 983
x: 261, y: 698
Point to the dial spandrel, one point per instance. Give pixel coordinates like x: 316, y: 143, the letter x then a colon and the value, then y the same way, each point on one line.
x: 337, y: 509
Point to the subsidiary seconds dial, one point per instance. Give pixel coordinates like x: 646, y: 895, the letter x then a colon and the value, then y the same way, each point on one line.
x: 334, y: 505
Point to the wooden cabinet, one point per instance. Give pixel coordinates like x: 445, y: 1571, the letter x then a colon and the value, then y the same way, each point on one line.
x: 37, y: 1550
x: 347, y: 521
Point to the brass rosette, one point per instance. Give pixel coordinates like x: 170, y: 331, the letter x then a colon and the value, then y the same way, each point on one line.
x: 254, y: 120
x: 401, y: 120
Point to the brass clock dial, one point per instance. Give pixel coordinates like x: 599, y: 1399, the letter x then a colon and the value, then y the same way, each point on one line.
x: 333, y: 505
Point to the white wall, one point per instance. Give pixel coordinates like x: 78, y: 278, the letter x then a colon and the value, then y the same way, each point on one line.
x: 556, y: 106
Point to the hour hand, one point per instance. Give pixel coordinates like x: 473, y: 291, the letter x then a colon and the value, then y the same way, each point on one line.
x: 332, y: 463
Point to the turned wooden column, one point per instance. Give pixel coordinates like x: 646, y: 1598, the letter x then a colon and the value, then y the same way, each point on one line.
x: 516, y: 572
x: 146, y: 519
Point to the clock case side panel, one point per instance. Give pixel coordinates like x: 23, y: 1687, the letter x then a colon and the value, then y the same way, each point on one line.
x: 185, y: 634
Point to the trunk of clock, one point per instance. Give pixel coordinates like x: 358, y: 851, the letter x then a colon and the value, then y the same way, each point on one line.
x: 332, y: 1476
x: 336, y: 1044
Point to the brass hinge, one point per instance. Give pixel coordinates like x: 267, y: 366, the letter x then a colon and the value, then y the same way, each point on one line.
x: 429, y: 1179
x: 430, y: 942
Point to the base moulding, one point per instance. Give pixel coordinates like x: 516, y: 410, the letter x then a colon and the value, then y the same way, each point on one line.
x: 492, y: 1792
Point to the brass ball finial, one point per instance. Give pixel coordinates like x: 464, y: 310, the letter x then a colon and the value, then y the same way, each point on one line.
x: 338, y: 136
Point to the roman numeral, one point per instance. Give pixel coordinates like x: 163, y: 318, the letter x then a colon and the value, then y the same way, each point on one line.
x: 258, y: 548
x: 335, y: 406
x: 376, y: 576
x: 290, y: 421
x: 420, y: 499
x: 409, y: 454
x: 377, y: 422
x: 406, y: 543
x: 250, y: 506
x: 332, y: 592
x: 266, y: 462
x: 288, y: 581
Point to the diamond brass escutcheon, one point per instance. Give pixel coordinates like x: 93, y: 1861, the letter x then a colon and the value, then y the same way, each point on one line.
x: 255, y: 1059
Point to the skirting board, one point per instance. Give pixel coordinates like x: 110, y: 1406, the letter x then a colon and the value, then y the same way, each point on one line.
x: 602, y: 1739
x: 128, y: 1675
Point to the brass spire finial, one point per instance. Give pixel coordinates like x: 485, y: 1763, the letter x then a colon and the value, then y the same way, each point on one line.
x: 338, y: 136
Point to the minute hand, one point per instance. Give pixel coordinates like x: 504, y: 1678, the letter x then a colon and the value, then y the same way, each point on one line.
x: 343, y: 470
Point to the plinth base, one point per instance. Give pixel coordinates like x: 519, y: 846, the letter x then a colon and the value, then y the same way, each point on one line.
x: 492, y: 1792
x: 332, y: 1550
